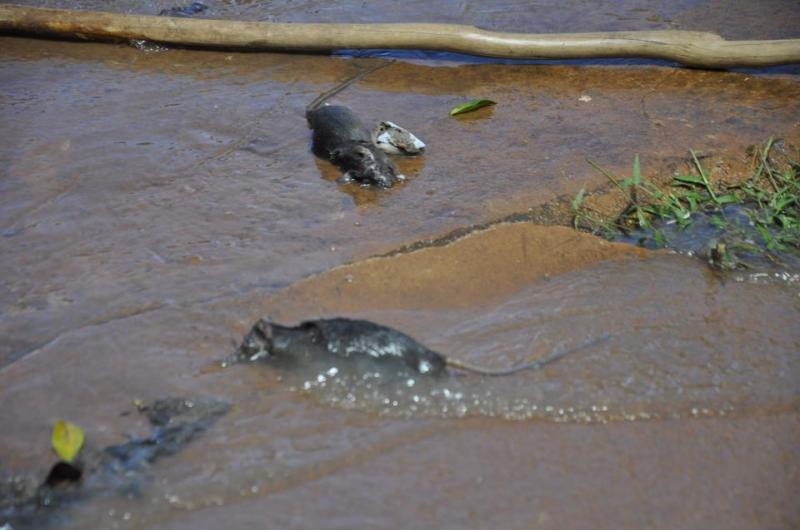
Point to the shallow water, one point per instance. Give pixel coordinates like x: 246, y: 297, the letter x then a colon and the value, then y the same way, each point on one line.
x: 681, y: 342
x: 134, y: 182
x: 152, y: 206
x: 676, y: 350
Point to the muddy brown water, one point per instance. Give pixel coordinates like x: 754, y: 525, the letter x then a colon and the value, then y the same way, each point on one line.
x: 152, y: 206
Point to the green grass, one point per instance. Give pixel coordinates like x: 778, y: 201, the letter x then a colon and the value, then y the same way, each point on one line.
x: 770, y: 198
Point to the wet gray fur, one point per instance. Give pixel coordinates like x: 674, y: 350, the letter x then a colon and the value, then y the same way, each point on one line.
x: 340, y: 137
x: 347, y: 338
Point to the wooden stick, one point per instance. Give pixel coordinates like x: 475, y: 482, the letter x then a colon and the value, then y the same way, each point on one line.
x: 690, y: 48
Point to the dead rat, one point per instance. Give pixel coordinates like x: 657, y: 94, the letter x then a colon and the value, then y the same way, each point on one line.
x: 340, y: 137
x: 346, y: 338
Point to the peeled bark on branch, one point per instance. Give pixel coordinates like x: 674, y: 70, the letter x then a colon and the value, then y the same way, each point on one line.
x: 706, y: 50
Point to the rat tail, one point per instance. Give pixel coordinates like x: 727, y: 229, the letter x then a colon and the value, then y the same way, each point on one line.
x: 534, y: 365
x: 322, y: 98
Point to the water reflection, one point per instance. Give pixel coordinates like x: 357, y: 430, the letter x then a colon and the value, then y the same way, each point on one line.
x: 366, y: 196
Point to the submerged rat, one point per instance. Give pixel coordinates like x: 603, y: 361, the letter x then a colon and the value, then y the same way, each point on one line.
x: 341, y: 138
x: 343, y: 337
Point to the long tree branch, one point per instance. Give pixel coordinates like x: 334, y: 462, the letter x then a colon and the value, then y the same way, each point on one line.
x: 690, y: 48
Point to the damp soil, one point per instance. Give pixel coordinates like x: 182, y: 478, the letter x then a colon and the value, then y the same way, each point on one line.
x: 153, y: 205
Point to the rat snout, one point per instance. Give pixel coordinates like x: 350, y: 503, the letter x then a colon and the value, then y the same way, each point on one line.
x: 383, y: 172
x: 384, y: 179
x: 258, y: 343
x: 249, y: 348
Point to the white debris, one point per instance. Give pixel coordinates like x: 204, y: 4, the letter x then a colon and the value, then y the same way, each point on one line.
x: 393, y: 139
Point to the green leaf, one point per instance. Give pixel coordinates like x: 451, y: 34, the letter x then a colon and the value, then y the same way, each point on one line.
x: 784, y: 202
x: 67, y: 440
x: 578, y: 200
x: 680, y: 215
x: 699, y: 167
x: 765, y: 235
x: 660, y: 238
x: 727, y: 199
x: 785, y: 221
x: 691, y: 198
x: 652, y: 191
x: 475, y: 104
x: 718, y: 222
x: 689, y: 179
x: 641, y: 218
x: 636, y: 174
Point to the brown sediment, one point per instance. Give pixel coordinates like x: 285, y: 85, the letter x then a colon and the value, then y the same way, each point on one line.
x: 476, y: 269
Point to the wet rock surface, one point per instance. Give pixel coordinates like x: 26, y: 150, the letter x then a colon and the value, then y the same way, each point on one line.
x: 152, y: 206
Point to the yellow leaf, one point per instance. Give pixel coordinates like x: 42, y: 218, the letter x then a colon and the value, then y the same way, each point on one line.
x: 67, y: 440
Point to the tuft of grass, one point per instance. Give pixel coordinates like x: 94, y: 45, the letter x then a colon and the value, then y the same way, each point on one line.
x: 770, y: 197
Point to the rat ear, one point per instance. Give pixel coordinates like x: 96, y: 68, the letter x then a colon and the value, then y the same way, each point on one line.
x: 263, y: 328
x: 334, y: 154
